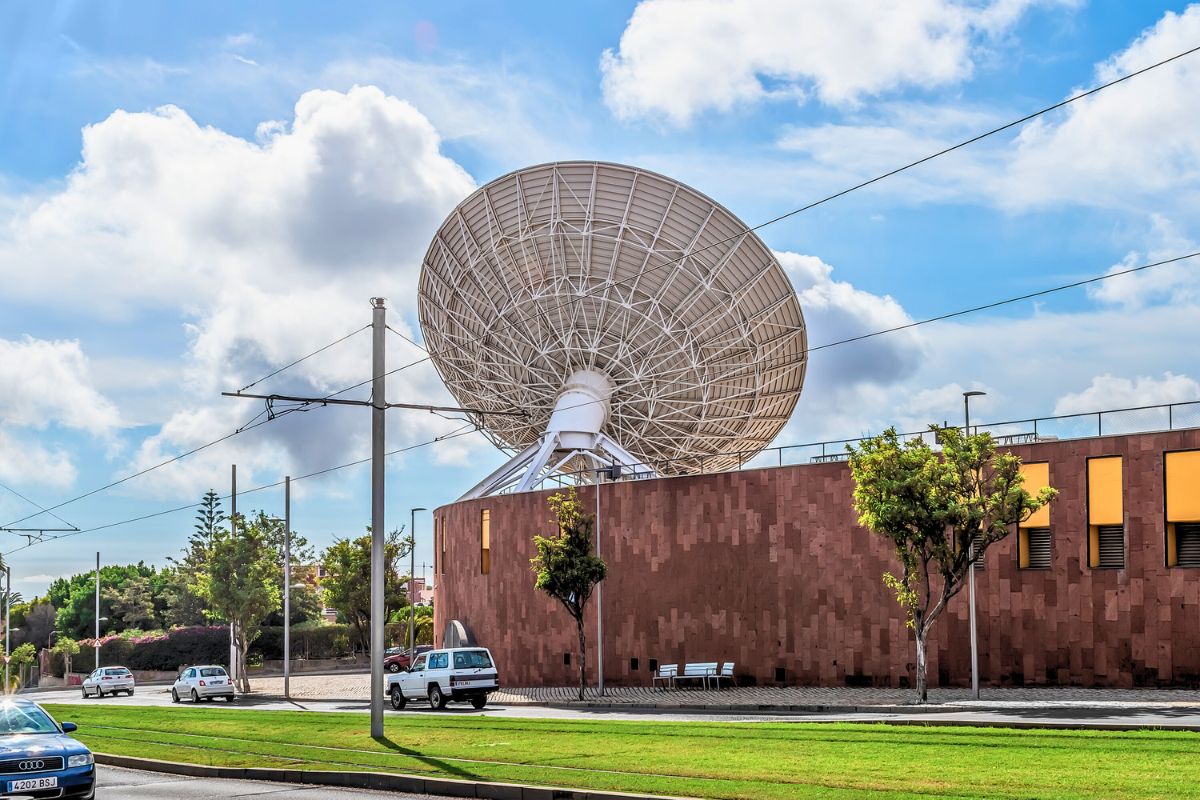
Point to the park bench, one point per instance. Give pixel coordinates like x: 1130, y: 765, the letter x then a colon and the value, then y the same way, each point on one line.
x: 666, y: 675
x: 698, y: 672
x: 726, y: 674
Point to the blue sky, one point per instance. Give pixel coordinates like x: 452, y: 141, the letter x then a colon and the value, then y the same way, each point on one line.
x: 191, y: 196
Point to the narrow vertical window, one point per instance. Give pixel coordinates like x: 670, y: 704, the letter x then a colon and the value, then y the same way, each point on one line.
x: 1033, y: 535
x: 1182, y: 479
x: 443, y: 561
x: 485, y: 542
x: 1106, y: 513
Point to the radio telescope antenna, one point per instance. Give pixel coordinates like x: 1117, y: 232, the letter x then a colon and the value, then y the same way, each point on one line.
x: 636, y: 322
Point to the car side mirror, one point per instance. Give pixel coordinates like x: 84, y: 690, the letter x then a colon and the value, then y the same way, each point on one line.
x: 69, y: 727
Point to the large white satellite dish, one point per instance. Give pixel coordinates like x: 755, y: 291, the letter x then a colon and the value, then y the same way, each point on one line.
x: 635, y: 320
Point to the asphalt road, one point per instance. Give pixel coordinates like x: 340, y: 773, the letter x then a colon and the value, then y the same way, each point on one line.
x: 1060, y: 715
x: 118, y: 784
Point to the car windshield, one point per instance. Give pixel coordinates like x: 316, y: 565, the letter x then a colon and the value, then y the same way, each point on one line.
x: 472, y: 659
x: 17, y: 719
x: 212, y: 672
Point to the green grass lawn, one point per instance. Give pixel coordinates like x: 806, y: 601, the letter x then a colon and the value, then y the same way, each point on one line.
x: 711, y: 759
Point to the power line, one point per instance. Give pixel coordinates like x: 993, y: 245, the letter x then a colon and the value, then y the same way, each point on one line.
x: 149, y: 469
x: 36, y: 505
x: 303, y: 358
x: 462, y: 431
x: 541, y: 312
x: 405, y: 338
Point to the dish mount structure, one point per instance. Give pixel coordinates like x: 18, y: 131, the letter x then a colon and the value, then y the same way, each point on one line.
x: 638, y: 323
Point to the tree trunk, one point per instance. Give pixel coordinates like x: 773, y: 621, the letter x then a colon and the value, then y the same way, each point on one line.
x: 922, y: 688
x: 582, y: 657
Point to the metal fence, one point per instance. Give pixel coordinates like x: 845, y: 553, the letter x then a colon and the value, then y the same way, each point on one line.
x: 1113, y: 422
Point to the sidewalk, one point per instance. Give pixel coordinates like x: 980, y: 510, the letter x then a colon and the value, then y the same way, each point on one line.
x: 356, y: 687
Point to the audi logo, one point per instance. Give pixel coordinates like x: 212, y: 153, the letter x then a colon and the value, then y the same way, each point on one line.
x: 30, y: 766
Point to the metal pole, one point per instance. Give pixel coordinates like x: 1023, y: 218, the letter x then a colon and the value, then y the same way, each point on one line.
x: 287, y: 586
x: 599, y: 596
x: 378, y: 407
x: 233, y: 665
x: 971, y: 578
x: 7, y: 627
x: 97, y: 611
x: 412, y: 583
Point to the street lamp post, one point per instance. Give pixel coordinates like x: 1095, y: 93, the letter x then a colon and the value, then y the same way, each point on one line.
x: 97, y: 611
x: 412, y: 573
x: 971, y: 570
x: 287, y: 587
x: 7, y: 632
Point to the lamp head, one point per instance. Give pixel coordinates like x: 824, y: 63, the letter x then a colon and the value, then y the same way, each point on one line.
x: 974, y: 393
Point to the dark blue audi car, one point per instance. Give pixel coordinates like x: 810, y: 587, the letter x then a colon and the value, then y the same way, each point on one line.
x: 38, y: 758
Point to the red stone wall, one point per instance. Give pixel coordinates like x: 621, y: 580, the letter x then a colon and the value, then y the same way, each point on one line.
x: 769, y: 569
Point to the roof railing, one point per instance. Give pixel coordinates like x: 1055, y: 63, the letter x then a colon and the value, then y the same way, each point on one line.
x: 1112, y: 422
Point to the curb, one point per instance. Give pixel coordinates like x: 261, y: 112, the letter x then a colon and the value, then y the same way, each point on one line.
x: 379, y: 781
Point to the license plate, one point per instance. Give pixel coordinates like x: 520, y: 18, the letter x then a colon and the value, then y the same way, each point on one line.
x: 476, y: 683
x: 33, y: 783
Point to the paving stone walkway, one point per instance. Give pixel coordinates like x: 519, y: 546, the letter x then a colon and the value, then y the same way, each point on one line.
x: 356, y: 686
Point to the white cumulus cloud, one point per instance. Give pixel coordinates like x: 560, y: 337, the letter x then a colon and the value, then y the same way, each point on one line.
x: 677, y: 58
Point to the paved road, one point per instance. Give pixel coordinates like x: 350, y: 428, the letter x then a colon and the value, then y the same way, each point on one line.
x: 1037, y: 715
x: 118, y: 784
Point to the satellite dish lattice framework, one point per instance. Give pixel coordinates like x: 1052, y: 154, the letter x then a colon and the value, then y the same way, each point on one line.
x: 634, y: 319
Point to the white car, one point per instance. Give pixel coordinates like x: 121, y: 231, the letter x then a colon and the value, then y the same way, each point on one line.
x: 462, y: 675
x: 108, y: 680
x: 203, y: 683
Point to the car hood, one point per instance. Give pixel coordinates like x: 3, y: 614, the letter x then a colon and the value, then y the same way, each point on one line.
x: 39, y: 744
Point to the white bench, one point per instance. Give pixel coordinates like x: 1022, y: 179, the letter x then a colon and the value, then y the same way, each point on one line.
x: 666, y: 675
x: 726, y: 674
x: 698, y: 672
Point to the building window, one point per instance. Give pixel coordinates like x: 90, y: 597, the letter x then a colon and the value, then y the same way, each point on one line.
x: 485, y: 542
x: 437, y: 554
x: 1106, y: 513
x: 443, y: 561
x: 1181, y: 476
x: 1033, y: 535
x: 1036, y: 553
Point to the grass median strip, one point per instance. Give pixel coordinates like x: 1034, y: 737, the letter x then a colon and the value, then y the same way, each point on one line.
x: 710, y: 759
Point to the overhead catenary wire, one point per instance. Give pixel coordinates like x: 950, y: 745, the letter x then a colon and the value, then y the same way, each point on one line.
x: 36, y: 505
x: 473, y: 427
x: 462, y: 431
x: 304, y: 358
x: 610, y: 283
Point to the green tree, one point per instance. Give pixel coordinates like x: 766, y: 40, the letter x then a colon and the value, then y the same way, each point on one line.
x: 37, y: 623
x: 347, y: 582
x: 240, y: 583
x: 567, y: 568
x: 20, y: 658
x: 132, y: 605
x: 932, y: 504
x: 68, y: 648
x: 183, y: 606
x: 75, y: 598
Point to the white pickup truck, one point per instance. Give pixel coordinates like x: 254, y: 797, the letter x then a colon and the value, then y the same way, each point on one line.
x: 461, y: 674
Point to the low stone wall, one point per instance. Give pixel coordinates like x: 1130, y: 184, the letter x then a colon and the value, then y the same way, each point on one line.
x: 275, y: 666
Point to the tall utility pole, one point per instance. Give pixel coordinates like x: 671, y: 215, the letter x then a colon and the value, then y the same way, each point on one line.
x: 599, y: 594
x: 97, y: 611
x: 971, y: 570
x: 378, y: 409
x: 412, y: 584
x: 287, y: 586
x: 7, y: 626
x: 233, y: 666
x: 379, y: 406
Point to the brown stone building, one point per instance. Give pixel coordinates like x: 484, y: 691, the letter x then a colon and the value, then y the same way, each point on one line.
x: 768, y: 568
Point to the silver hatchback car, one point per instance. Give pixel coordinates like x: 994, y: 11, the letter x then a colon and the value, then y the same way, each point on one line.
x: 108, y: 680
x: 203, y: 683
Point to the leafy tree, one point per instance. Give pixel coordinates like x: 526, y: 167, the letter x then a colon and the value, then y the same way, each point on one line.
x: 932, y: 505
x: 75, y: 598
x: 240, y: 582
x: 20, y: 658
x: 347, y: 582
x: 182, y: 605
x: 37, y: 624
x: 132, y: 605
x: 567, y: 568
x: 68, y: 648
